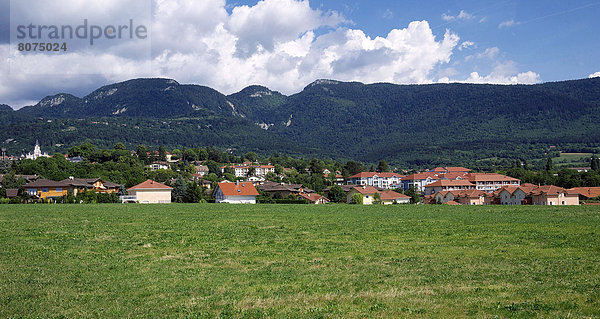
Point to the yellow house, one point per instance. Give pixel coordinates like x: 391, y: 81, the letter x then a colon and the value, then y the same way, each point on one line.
x: 554, y: 195
x: 367, y: 193
x: 97, y: 185
x: 47, y: 189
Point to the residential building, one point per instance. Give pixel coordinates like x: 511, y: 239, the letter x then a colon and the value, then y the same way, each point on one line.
x: 202, y: 170
x: 159, y: 165
x: 97, y: 185
x: 313, y: 198
x: 586, y: 193
x: 148, y: 192
x: 283, y: 190
x: 339, y: 179
x: 243, y: 170
x: 391, y: 197
x: 382, y: 180
x: 491, y: 182
x: 463, y: 197
x: 448, y: 185
x: 515, y: 195
x: 236, y: 193
x: 419, y: 180
x: 554, y: 195
x: 46, y: 189
x: 12, y: 192
x: 367, y: 193
x: 450, y: 170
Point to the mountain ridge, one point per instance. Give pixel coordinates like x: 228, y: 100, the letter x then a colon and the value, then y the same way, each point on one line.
x: 404, y: 123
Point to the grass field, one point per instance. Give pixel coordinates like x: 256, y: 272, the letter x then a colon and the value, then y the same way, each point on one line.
x: 569, y: 159
x: 299, y: 261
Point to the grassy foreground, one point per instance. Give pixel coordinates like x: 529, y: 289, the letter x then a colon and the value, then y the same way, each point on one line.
x: 298, y: 261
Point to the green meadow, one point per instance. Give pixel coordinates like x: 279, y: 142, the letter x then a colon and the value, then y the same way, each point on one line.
x: 298, y: 261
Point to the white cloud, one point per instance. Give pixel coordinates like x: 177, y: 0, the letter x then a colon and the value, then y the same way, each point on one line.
x: 282, y: 44
x: 462, y: 15
x: 465, y: 44
x: 508, y: 24
x: 489, y: 53
x: 594, y: 75
x: 504, y: 73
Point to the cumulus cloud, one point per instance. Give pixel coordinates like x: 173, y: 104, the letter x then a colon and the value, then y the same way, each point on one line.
x: 504, y: 73
x: 594, y: 75
x: 283, y: 44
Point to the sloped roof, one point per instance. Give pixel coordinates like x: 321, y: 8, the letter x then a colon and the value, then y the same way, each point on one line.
x: 551, y: 190
x: 313, y: 197
x: 420, y: 176
x: 149, y: 184
x: 451, y: 203
x: 238, y: 189
x: 12, y: 192
x: 391, y: 195
x: 450, y: 182
x: 489, y: 177
x: 371, y: 174
x: 366, y: 189
x: 589, y: 192
x: 45, y: 183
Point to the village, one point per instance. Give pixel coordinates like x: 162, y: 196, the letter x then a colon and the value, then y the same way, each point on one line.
x: 251, y: 182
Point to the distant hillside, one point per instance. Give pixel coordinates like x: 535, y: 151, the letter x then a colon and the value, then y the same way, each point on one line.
x: 412, y: 125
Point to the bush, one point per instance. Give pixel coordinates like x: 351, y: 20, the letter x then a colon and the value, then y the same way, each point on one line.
x: 4, y: 201
x: 357, y: 199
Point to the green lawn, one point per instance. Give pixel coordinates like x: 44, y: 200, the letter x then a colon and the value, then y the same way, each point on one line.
x: 298, y: 261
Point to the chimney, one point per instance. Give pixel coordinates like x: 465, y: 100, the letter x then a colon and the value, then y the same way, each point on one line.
x: 237, y: 183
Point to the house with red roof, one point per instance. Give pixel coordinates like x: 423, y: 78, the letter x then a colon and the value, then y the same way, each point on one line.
x: 392, y: 197
x: 448, y: 185
x: 313, y: 198
x: 148, y: 192
x: 586, y: 193
x: 367, y: 193
x: 236, y: 193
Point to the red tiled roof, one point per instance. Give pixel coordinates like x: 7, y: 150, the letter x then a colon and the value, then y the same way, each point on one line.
x: 489, y: 177
x: 551, y: 190
x: 150, y: 184
x: 238, y: 189
x: 420, y: 176
x: 391, y: 195
x: 589, y: 192
x: 451, y: 203
x: 366, y: 189
x: 313, y: 197
x: 450, y: 182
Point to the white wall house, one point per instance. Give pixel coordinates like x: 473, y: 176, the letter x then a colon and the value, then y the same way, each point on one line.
x: 148, y: 192
x: 236, y: 193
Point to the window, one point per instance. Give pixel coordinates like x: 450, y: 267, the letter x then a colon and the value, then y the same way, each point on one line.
x: 59, y: 189
x: 32, y: 191
x: 44, y: 190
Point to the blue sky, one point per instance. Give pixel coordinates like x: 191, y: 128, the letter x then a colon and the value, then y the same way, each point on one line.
x: 286, y: 44
x: 560, y: 40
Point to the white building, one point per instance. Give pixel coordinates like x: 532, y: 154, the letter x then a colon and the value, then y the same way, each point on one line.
x: 148, y: 192
x: 236, y: 193
x: 242, y: 170
x: 381, y: 180
x: 37, y: 152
